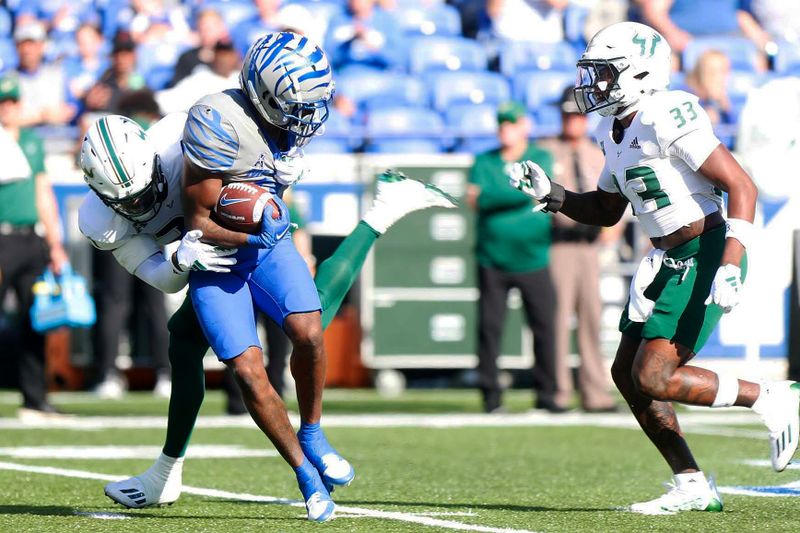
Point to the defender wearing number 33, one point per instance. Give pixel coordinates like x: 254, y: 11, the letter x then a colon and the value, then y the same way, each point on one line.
x: 662, y: 157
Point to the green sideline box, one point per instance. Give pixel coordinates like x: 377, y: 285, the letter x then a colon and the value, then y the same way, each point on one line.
x: 419, y: 294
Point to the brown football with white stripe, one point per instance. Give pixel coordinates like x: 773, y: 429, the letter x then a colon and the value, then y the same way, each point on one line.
x: 240, y: 206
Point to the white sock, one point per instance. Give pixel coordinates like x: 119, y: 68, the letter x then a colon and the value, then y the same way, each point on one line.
x: 377, y: 219
x: 727, y: 391
x: 167, y: 468
x: 691, y: 480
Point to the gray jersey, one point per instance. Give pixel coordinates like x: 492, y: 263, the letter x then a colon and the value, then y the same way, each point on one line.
x: 222, y: 135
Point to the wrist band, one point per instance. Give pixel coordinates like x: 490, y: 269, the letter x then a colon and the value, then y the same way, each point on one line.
x: 555, y: 199
x: 741, y: 230
x: 175, y: 266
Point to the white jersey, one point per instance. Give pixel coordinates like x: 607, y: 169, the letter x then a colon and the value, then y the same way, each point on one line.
x: 133, y: 243
x: 655, y: 164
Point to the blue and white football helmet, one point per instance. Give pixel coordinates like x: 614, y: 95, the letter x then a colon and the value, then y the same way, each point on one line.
x: 288, y: 79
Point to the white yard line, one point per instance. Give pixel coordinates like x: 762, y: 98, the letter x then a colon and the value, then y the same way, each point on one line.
x: 390, y: 420
x: 414, y: 518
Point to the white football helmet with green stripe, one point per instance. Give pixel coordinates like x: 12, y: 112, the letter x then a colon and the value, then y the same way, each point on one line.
x: 121, y: 166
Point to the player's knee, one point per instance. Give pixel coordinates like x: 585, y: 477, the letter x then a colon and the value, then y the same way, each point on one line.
x: 305, y: 332
x: 649, y: 383
x: 249, y: 368
x: 621, y: 374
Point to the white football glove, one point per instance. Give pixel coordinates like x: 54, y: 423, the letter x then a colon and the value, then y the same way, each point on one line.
x: 529, y: 178
x: 726, y: 288
x: 195, y: 255
x: 290, y: 167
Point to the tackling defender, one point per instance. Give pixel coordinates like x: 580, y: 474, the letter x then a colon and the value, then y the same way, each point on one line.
x: 135, y: 208
x: 662, y: 157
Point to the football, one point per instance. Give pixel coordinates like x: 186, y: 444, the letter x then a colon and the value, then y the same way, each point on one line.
x: 240, y: 206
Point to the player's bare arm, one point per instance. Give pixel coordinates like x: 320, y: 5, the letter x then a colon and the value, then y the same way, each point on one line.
x: 725, y: 172
x: 200, y: 193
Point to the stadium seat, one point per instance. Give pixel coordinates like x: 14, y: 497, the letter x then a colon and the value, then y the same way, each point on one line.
x: 446, y: 53
x: 742, y: 52
x: 420, y: 19
x: 368, y: 86
x: 516, y: 56
x: 338, y: 136
x: 8, y: 55
x: 547, y: 121
x: 474, y: 125
x: 156, y: 62
x: 541, y: 88
x: 404, y: 130
x: 234, y: 12
x: 450, y: 88
x: 788, y: 58
x: 5, y: 23
x: 740, y: 83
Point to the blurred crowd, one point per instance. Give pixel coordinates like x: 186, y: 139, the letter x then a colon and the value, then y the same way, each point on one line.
x: 413, y: 76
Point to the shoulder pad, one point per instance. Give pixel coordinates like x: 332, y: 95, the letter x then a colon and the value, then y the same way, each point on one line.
x: 673, y: 114
x: 209, y: 140
x: 105, y: 229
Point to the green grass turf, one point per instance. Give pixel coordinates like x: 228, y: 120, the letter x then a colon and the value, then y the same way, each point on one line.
x: 559, y: 479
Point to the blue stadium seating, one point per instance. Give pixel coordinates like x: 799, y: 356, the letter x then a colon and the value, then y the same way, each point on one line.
x: 323, y: 10
x: 337, y: 138
x: 365, y: 86
x: 742, y: 52
x: 404, y: 130
x: 420, y: 19
x: 450, y: 88
x: 519, y: 56
x: 156, y: 62
x: 234, y: 12
x: 547, y: 121
x: 446, y: 53
x: 740, y: 83
x: 788, y: 58
x: 541, y: 88
x: 5, y: 23
x: 8, y: 55
x: 475, y: 126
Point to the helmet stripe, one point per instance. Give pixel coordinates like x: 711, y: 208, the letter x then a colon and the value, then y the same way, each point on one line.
x: 315, y: 74
x: 275, y: 49
x: 109, y: 146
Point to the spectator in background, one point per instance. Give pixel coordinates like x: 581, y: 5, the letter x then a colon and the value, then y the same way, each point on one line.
x: 221, y: 74
x: 274, y: 16
x: 119, y: 78
x: 150, y: 21
x: 42, y: 87
x: 210, y: 29
x: 364, y: 35
x: 779, y: 19
x: 527, y: 20
x: 709, y: 81
x: 679, y: 21
x: 512, y: 251
x: 82, y: 72
x: 119, y: 295
x: 26, y: 199
x: 575, y: 266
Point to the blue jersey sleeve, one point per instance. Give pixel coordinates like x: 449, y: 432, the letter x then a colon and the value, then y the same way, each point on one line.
x: 209, y: 141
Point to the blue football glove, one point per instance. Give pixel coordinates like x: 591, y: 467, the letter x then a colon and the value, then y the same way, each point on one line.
x: 272, y: 229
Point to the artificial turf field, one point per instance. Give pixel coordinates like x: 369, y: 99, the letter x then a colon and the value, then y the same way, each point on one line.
x: 443, y: 468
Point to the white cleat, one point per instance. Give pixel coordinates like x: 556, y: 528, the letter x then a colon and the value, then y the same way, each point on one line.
x: 320, y: 507
x: 159, y: 485
x: 397, y: 195
x: 780, y: 414
x: 111, y: 388
x: 690, y: 497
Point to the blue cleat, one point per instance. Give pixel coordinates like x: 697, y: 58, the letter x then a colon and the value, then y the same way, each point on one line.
x: 334, y: 469
x: 319, y: 505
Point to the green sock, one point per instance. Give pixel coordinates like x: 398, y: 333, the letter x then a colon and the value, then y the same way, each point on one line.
x: 187, y: 347
x: 337, y: 274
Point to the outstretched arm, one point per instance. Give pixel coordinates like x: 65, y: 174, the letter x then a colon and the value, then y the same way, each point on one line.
x: 596, y: 208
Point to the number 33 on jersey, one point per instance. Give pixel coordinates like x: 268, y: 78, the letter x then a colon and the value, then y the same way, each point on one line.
x: 655, y: 164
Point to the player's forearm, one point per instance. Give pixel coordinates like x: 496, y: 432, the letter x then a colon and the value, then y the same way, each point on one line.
x: 213, y: 233
x: 159, y: 272
x: 586, y: 208
x: 741, y: 206
x: 48, y: 211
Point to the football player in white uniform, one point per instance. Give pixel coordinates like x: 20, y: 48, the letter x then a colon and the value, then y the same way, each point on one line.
x: 662, y: 157
x: 134, y: 209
